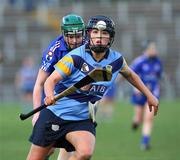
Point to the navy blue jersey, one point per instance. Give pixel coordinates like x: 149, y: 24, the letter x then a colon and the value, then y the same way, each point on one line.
x: 150, y: 71
x: 54, y: 52
x: 73, y: 67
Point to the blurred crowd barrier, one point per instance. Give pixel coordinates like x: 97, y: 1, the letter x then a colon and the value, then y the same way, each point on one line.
x: 28, y: 26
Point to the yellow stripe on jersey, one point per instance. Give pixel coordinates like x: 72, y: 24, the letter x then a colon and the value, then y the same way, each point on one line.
x: 125, y: 67
x: 67, y: 59
x: 64, y: 68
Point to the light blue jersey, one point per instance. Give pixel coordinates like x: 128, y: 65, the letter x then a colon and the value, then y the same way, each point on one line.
x: 73, y: 67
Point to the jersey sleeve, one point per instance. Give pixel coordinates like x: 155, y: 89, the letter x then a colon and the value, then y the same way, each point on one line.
x: 124, y: 66
x: 65, y: 66
x: 50, y: 58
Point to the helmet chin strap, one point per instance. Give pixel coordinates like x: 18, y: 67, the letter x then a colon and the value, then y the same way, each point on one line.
x: 98, y: 49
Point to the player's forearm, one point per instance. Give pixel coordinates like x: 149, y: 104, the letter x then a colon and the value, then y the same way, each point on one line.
x: 37, y: 95
x: 134, y: 79
x: 49, y: 86
x: 38, y: 88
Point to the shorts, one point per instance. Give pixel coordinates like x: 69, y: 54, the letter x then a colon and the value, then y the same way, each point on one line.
x: 50, y: 129
x: 140, y: 99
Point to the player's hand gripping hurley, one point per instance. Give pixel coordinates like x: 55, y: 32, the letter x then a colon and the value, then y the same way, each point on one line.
x: 95, y: 75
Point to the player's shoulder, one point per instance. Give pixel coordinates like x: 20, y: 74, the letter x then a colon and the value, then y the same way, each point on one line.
x: 116, y: 58
x: 79, y: 51
x: 55, y: 47
x: 57, y: 43
x: 115, y: 53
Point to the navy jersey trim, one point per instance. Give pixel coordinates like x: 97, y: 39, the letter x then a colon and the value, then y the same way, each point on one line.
x: 117, y: 64
x: 80, y: 97
x: 79, y: 61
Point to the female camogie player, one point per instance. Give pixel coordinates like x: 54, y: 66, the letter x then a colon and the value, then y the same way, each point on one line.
x: 66, y: 123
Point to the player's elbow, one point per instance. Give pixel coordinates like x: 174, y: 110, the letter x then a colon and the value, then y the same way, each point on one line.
x: 48, y: 82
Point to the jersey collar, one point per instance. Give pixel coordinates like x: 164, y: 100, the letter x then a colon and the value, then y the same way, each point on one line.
x: 87, y: 49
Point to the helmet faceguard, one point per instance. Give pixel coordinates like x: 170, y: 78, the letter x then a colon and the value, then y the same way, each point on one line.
x: 101, y: 23
x: 72, y: 25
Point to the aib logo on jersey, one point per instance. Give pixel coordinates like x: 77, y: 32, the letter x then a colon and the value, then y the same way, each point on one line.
x: 84, y: 68
x: 97, y: 89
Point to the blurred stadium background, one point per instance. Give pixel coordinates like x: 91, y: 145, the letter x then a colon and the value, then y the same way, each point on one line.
x: 28, y: 26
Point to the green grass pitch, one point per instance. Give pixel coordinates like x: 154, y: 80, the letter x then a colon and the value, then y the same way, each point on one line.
x: 115, y: 140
